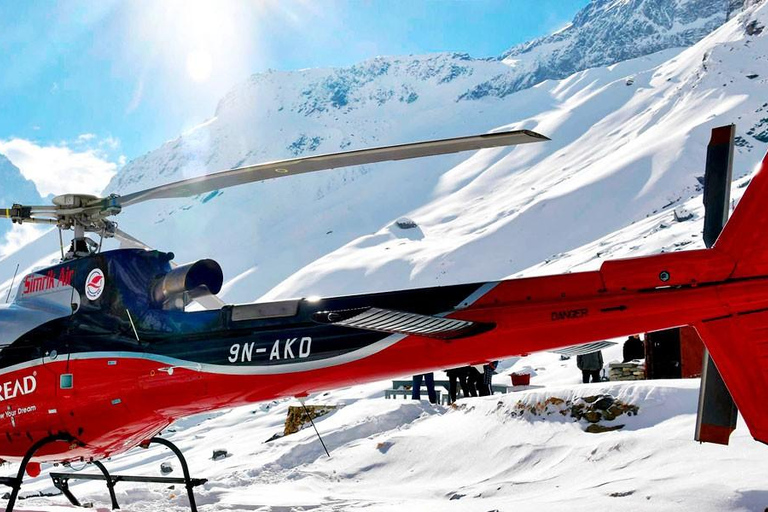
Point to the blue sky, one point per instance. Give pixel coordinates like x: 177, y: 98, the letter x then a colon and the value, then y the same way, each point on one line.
x: 86, y: 83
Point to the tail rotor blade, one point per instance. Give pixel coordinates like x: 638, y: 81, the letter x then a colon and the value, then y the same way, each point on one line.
x: 717, y: 412
x: 717, y: 182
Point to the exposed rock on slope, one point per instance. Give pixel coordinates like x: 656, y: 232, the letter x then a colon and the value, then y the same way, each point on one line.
x: 14, y: 188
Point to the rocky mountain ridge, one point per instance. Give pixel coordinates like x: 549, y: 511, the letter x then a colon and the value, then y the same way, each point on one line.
x: 306, y: 105
x: 606, y: 32
x: 15, y: 189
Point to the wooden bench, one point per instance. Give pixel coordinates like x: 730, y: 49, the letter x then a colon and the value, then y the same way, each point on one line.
x: 394, y: 393
x: 406, y: 393
x: 402, y: 387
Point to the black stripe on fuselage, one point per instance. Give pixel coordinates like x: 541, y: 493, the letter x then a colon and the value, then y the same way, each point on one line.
x: 209, y: 337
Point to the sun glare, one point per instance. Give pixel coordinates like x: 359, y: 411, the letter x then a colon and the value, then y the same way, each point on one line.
x: 200, y: 39
x: 197, y: 50
x: 199, y: 65
x: 204, y: 28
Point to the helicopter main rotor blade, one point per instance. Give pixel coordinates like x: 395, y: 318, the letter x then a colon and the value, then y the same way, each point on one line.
x: 282, y: 168
x: 20, y: 213
x: 29, y: 214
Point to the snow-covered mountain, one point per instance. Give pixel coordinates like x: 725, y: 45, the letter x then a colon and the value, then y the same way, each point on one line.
x: 603, y: 33
x: 628, y: 142
x: 606, y: 32
x: 628, y: 139
x: 15, y: 189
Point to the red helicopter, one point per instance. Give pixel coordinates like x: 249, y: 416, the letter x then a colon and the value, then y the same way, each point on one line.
x: 99, y: 354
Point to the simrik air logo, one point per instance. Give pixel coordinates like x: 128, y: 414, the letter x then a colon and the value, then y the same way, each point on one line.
x: 36, y: 283
x: 94, y: 285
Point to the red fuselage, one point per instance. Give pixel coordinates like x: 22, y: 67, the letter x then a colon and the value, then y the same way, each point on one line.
x: 119, y: 399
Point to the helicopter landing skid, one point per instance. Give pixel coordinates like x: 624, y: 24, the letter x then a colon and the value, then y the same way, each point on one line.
x: 15, y: 482
x: 61, y: 480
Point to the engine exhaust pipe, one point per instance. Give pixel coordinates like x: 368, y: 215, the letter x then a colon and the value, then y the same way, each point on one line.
x: 188, y: 282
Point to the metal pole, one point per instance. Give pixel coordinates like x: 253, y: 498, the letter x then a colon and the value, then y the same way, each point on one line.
x: 61, y: 244
x: 313, y: 426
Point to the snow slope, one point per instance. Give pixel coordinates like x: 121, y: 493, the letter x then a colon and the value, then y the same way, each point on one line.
x: 498, y: 203
x: 405, y: 455
x: 619, y: 153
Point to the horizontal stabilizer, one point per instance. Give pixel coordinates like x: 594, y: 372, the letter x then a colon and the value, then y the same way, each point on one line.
x: 580, y: 350
x: 401, y: 322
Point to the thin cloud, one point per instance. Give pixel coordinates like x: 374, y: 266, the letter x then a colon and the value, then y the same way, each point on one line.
x: 60, y: 169
x: 138, y: 94
x: 85, y: 137
x: 19, y: 236
x: 110, y: 142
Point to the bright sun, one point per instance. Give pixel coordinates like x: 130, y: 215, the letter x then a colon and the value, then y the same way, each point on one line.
x: 199, y: 65
x: 204, y: 46
x: 202, y: 36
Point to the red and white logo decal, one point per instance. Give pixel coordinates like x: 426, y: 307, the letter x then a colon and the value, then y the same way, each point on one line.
x: 94, y: 285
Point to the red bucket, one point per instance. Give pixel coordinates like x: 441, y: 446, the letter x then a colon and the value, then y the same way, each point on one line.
x: 521, y: 379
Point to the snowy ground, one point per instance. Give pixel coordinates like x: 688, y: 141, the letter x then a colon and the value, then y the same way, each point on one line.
x: 389, y: 455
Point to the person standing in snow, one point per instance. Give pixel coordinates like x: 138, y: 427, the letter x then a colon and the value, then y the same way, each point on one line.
x: 590, y: 365
x: 480, y: 376
x: 633, y: 348
x: 429, y: 381
x: 460, y: 375
x: 488, y: 371
x: 477, y: 381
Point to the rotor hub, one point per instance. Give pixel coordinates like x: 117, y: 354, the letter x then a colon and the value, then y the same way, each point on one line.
x: 74, y: 200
